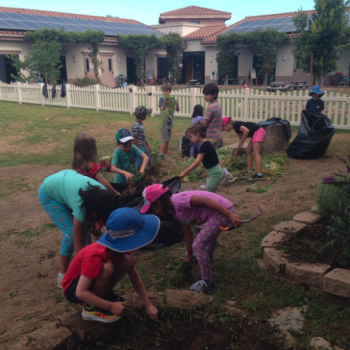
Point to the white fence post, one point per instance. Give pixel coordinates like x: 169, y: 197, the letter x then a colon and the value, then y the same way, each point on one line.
x: 133, y: 99
x: 193, y: 98
x: 153, y: 100
x: 67, y: 95
x: 97, y: 101
x: 19, y: 92
x: 0, y: 89
x: 42, y: 98
x: 245, y: 105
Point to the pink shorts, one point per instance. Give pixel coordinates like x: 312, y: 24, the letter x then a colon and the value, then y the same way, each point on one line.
x: 259, y: 135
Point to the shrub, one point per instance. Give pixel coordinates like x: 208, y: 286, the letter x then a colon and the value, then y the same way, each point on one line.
x: 331, y: 200
x: 86, y: 81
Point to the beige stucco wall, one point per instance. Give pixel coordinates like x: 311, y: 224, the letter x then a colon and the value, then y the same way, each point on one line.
x: 21, y: 46
x: 285, y: 68
x: 180, y: 28
x: 206, y: 21
x: 344, y: 62
x: 245, y: 61
x: 151, y: 60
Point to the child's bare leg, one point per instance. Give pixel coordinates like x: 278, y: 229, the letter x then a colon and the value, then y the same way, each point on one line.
x: 121, y: 267
x: 256, y: 150
x: 101, y: 284
x: 138, y: 169
x: 164, y: 148
x: 249, y: 154
x: 65, y: 260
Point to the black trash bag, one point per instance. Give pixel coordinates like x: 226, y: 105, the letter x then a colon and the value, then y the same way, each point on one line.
x: 45, y: 93
x: 53, y: 92
x: 63, y: 90
x: 275, y: 120
x: 314, y: 136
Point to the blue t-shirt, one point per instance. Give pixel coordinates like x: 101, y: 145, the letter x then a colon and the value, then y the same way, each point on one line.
x: 171, y: 114
x: 315, y: 105
x: 64, y: 187
x: 125, y: 161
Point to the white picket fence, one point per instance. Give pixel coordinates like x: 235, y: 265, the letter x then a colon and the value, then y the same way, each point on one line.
x: 255, y: 105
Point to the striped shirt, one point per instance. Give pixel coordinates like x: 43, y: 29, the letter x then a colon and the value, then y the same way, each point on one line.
x: 214, y: 115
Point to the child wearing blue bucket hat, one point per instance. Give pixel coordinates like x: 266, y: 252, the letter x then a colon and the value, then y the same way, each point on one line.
x: 315, y: 104
x: 97, y: 268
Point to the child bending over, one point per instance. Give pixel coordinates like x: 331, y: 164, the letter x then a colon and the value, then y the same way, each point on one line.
x: 197, y: 116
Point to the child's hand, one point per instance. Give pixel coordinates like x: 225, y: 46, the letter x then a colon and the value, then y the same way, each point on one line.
x: 182, y: 175
x: 118, y: 309
x: 234, y: 154
x: 128, y: 175
x: 149, y: 149
x: 235, y: 220
x: 152, y: 312
x: 187, y: 260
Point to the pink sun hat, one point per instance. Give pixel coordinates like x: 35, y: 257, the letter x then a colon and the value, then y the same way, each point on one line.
x: 225, y: 120
x: 151, y: 194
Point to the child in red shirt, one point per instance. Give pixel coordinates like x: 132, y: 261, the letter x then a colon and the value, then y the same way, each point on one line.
x: 97, y: 268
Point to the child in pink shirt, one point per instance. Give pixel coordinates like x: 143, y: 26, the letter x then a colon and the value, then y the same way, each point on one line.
x: 195, y: 207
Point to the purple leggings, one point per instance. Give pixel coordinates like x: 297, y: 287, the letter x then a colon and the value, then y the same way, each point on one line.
x: 206, y: 241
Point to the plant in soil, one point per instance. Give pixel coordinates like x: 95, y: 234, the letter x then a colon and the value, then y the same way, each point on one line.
x: 168, y: 111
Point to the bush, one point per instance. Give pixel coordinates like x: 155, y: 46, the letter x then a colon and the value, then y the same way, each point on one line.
x: 331, y: 200
x: 86, y: 81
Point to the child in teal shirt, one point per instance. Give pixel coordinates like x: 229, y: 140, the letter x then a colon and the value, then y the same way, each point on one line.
x: 124, y: 158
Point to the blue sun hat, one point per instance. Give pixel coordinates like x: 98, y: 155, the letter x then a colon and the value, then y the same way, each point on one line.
x: 128, y: 230
x: 316, y: 90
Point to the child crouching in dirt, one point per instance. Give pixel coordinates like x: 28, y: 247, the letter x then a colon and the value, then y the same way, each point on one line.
x: 257, y: 134
x: 97, y: 268
x: 207, y: 154
x: 194, y: 207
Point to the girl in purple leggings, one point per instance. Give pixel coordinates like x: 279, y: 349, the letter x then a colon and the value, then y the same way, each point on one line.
x: 195, y: 207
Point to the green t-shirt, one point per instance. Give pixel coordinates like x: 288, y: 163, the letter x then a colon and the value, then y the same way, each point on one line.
x: 64, y: 188
x: 125, y: 161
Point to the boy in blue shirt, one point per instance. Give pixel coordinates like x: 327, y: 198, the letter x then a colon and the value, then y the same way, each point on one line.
x: 124, y: 158
x: 315, y: 104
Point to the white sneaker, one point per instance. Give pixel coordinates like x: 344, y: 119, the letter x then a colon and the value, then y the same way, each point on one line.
x: 226, y: 179
x: 59, y: 280
x: 204, y: 187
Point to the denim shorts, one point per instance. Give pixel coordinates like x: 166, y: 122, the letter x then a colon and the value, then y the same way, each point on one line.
x: 139, y: 160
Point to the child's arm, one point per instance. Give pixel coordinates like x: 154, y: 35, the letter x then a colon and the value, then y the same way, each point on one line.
x: 162, y: 107
x: 145, y: 159
x: 141, y: 291
x: 177, y: 107
x: 116, y: 170
x: 82, y: 292
x: 188, y: 242
x: 193, y: 166
x: 78, y: 234
x: 148, y: 146
x: 241, y: 139
x: 136, y: 143
x: 105, y: 183
x: 200, y: 201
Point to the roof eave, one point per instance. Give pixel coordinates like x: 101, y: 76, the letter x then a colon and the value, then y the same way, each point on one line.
x: 196, y: 16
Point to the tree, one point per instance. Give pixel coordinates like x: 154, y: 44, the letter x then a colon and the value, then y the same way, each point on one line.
x: 227, y: 46
x: 140, y: 44
x: 265, y: 44
x: 321, y: 35
x: 173, y: 43
x: 43, y: 60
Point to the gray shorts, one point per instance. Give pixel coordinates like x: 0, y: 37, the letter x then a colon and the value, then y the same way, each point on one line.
x: 166, y: 132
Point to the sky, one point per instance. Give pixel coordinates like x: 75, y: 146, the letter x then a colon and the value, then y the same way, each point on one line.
x: 148, y: 12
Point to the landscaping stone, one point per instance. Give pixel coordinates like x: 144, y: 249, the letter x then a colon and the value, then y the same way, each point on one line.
x: 232, y: 303
x: 289, y: 340
x: 290, y: 318
x: 272, y: 239
x: 184, y: 299
x: 53, y: 336
x: 337, y: 282
x: 307, y: 218
x: 322, y: 344
x: 292, y: 227
x: 315, y: 209
x: 274, y: 261
x: 311, y: 274
x: 261, y: 263
x: 135, y: 302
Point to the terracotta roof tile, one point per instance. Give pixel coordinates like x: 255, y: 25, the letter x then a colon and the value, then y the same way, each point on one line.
x: 12, y: 32
x: 68, y: 15
x: 195, y: 11
x: 205, y: 32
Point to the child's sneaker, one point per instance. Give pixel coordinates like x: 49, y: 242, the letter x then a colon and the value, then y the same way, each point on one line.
x: 226, y: 179
x: 59, y: 280
x: 203, y: 287
x: 256, y: 177
x: 93, y: 313
x: 204, y: 187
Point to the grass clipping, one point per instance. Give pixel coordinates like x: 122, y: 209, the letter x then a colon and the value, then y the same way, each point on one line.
x: 168, y: 111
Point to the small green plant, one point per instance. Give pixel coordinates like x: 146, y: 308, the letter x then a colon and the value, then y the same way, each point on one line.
x: 85, y: 81
x: 168, y: 111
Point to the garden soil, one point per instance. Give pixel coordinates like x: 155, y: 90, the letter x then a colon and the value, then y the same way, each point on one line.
x: 30, y: 251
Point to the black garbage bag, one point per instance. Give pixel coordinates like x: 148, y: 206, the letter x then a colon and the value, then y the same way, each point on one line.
x: 63, y: 90
x: 314, y: 136
x: 45, y: 93
x: 170, y: 230
x: 53, y: 92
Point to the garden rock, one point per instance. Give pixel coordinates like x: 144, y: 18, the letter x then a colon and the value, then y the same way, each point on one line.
x: 290, y: 318
x: 337, y: 282
x: 272, y: 238
x: 306, y: 273
x: 322, y: 344
x: 53, y: 336
x: 307, y: 218
x: 135, y: 302
x: 293, y: 227
x: 232, y: 303
x: 315, y: 209
x: 184, y: 299
x: 274, y: 261
x: 289, y: 340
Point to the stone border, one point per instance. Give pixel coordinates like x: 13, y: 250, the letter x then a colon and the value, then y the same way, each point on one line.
x: 322, y: 276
